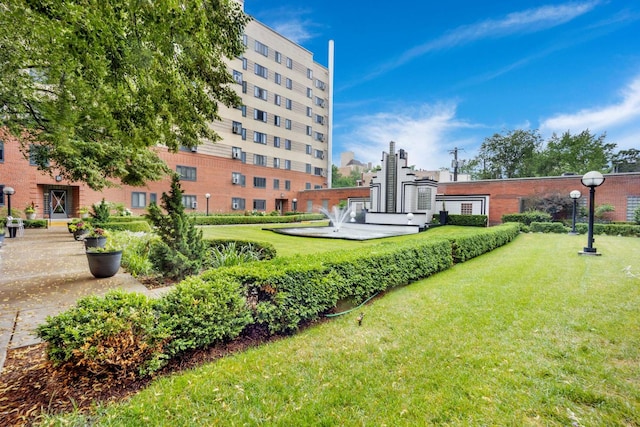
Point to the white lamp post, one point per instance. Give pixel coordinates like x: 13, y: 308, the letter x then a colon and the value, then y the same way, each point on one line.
x: 592, y: 180
x: 8, y: 191
x: 295, y: 205
x: 207, y: 196
x: 575, y: 195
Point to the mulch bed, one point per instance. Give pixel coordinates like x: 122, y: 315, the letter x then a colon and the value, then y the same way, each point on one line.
x: 30, y: 386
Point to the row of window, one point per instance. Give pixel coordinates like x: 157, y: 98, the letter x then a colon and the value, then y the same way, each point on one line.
x: 263, y: 94
x: 263, y: 49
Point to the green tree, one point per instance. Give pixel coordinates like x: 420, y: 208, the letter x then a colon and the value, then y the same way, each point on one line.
x: 578, y: 154
x: 340, y: 181
x: 180, y: 250
x: 626, y: 161
x: 509, y: 155
x: 90, y: 87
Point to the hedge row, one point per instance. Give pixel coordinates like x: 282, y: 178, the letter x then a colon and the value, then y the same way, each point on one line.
x: 548, y: 227
x: 527, y: 217
x: 626, y: 230
x: 119, y: 331
x: 257, y: 219
x: 134, y: 226
x: 468, y: 220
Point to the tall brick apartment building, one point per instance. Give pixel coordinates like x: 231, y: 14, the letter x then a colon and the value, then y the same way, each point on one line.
x: 275, y: 144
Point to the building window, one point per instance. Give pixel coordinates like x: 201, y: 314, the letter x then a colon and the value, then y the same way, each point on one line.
x: 276, y: 141
x: 259, y: 160
x: 307, y: 186
x: 319, y: 119
x: 287, y: 164
x: 309, y: 130
x: 633, y: 203
x: 320, y: 85
x: 261, y: 48
x: 261, y: 71
x: 466, y: 208
x: 186, y: 173
x: 1, y: 151
x: 277, y: 100
x: 319, y: 102
x: 276, y: 184
x: 237, y: 76
x: 236, y: 127
x: 260, y: 93
x: 287, y: 144
x: 244, y: 63
x: 309, y: 111
x: 237, y: 204
x: 289, y: 83
x: 318, y: 171
x: 319, y: 154
x: 138, y: 200
x: 259, y: 182
x: 238, y: 179
x: 309, y: 73
x: 236, y: 153
x: 276, y: 162
x: 287, y: 185
x: 260, y: 115
x: 288, y: 104
x: 287, y: 124
x: 319, y: 136
x: 278, y: 79
x: 38, y: 155
x: 259, y: 205
x: 278, y: 57
x: 308, y: 168
x: 276, y: 120
x: 260, y: 138
x: 309, y: 93
x: 153, y: 198
x: 245, y: 40
x: 289, y: 63
x: 424, y: 198
x: 189, y: 201
x: 309, y: 149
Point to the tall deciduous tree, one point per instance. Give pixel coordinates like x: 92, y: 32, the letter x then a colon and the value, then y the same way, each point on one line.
x: 509, y: 155
x: 90, y: 87
x: 578, y: 154
x: 626, y: 160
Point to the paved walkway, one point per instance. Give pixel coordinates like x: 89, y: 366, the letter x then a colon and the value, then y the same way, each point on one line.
x: 43, y: 273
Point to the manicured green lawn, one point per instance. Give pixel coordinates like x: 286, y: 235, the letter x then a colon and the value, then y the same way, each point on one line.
x: 530, y: 334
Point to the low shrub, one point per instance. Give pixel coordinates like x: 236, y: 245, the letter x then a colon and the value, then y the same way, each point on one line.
x: 265, y: 250
x: 527, y: 217
x: 255, y: 219
x: 230, y: 254
x: 468, y: 220
x: 114, y: 334
x: 548, y: 227
x: 610, y: 229
x: 35, y: 223
x: 130, y: 218
x: 199, y: 313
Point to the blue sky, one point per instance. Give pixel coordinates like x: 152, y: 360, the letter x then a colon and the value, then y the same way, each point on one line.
x: 434, y: 75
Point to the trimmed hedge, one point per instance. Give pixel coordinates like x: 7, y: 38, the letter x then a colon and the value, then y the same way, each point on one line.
x: 527, y: 217
x: 119, y: 331
x: 610, y: 229
x: 130, y: 218
x: 35, y: 223
x: 266, y: 250
x: 468, y: 220
x: 135, y: 226
x: 548, y: 227
x: 464, y: 248
x: 257, y: 219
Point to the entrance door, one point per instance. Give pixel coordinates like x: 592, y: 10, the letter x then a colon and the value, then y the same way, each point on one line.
x: 58, y: 202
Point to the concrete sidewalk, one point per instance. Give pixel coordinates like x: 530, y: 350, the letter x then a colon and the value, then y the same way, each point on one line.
x: 43, y: 273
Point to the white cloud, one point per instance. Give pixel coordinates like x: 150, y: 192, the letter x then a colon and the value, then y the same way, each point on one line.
x: 527, y: 21
x: 295, y: 30
x: 600, y: 119
x: 291, y: 23
x: 426, y: 132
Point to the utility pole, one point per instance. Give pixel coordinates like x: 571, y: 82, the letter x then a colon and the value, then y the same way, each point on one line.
x: 455, y: 164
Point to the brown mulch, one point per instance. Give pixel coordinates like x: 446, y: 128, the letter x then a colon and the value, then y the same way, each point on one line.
x: 30, y: 386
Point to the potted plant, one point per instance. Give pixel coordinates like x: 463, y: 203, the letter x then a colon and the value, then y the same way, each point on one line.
x: 96, y: 238
x: 3, y: 223
x: 30, y: 211
x: 84, y: 212
x: 79, y: 229
x: 444, y: 214
x: 105, y: 261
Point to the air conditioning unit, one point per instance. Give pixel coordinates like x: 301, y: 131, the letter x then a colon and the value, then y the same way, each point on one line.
x: 235, y: 205
x: 235, y: 180
x: 194, y: 205
x: 194, y: 149
x: 324, y: 173
x: 237, y: 129
x: 236, y: 154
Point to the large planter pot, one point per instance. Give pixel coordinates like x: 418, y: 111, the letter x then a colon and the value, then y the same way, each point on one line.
x: 31, y: 215
x: 95, y: 242
x: 1, y: 239
x: 12, y: 231
x: 444, y: 215
x: 104, y: 264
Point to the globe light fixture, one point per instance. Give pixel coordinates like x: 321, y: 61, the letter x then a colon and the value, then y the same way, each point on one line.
x: 207, y: 196
x: 8, y: 191
x: 575, y: 195
x: 592, y: 180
